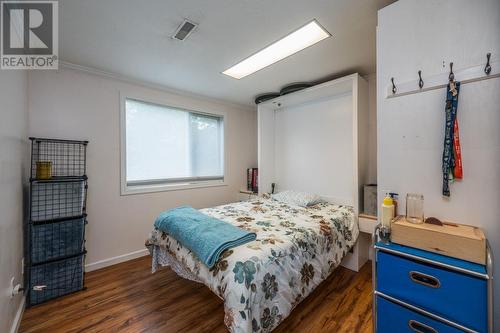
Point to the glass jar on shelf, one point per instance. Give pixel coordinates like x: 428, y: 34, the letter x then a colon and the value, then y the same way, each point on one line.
x: 415, y: 208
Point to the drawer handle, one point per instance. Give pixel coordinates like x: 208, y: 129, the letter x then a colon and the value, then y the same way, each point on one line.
x: 420, y: 328
x: 424, y: 279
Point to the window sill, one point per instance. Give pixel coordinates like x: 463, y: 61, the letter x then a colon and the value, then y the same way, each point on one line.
x: 142, y: 189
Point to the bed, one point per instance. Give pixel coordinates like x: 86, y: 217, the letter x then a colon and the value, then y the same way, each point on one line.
x: 262, y: 281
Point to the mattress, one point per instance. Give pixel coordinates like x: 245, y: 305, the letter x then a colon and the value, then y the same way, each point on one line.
x: 262, y: 281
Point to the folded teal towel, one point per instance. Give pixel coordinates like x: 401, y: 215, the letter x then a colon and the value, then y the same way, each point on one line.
x: 206, y: 236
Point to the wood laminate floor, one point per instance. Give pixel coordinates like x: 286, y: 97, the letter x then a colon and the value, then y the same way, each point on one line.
x: 127, y: 298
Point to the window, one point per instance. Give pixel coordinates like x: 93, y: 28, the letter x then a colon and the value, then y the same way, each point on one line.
x: 170, y: 148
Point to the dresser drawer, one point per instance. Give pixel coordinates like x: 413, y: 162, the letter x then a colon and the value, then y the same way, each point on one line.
x: 455, y: 296
x: 392, y: 317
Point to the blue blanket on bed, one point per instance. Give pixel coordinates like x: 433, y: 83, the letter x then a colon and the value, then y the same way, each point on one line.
x: 205, y: 236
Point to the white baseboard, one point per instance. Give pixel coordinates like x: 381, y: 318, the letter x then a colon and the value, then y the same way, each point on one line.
x: 115, y: 260
x: 19, y: 316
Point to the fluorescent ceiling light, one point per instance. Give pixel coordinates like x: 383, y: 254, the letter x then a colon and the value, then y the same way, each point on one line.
x: 296, y: 41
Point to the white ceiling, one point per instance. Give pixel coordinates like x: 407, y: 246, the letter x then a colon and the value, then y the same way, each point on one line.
x: 132, y: 38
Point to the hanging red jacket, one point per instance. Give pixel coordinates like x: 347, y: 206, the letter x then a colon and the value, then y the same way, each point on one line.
x: 457, y: 171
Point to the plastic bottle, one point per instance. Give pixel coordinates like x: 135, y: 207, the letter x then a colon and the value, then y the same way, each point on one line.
x: 394, y: 197
x: 387, y: 212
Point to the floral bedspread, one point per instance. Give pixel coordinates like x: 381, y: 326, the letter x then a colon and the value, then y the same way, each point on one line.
x: 262, y: 281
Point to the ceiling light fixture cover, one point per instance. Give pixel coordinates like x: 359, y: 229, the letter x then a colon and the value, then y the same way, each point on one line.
x: 308, y: 35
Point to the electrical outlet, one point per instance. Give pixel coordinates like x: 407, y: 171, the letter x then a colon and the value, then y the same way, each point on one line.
x: 14, y: 289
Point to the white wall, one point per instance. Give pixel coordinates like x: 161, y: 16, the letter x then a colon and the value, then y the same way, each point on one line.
x: 13, y: 175
x: 77, y: 105
x: 415, y: 35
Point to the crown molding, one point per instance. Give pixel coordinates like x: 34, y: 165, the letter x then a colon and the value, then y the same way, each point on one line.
x: 146, y: 84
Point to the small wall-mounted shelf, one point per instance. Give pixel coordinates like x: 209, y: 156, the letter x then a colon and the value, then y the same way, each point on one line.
x: 440, y: 81
x: 248, y: 192
x: 367, y: 223
x: 247, y: 195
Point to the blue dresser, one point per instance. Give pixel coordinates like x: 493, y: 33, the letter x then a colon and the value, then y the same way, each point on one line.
x: 419, y: 291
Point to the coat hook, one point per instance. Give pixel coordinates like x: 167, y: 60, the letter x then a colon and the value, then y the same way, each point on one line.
x: 451, y: 77
x: 487, y: 69
x: 420, y: 81
x: 393, y: 86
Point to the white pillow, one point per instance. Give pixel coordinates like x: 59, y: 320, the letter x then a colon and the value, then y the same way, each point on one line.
x: 297, y: 198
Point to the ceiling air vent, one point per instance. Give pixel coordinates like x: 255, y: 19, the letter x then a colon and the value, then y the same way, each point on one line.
x: 184, y: 30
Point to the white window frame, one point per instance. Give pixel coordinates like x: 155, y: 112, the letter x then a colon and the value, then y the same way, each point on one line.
x: 167, y: 186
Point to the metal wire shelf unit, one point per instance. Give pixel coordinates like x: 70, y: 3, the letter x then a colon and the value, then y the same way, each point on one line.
x: 55, y: 228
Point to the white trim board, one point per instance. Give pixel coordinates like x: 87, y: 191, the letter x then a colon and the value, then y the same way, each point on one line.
x: 115, y: 260
x: 19, y: 316
x: 440, y: 81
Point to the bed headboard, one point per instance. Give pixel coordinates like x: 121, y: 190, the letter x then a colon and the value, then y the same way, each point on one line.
x: 311, y: 141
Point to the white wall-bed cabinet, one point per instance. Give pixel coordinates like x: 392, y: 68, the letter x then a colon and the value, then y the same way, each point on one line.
x: 315, y: 140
